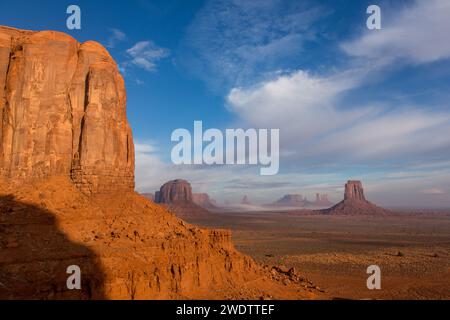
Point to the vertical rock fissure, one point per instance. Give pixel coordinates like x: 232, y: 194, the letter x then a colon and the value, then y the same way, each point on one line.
x: 72, y: 117
x: 40, y: 127
x: 7, y: 73
x: 5, y: 103
x: 86, y: 92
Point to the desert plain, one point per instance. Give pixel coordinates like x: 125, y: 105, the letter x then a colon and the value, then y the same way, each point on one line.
x: 412, y: 249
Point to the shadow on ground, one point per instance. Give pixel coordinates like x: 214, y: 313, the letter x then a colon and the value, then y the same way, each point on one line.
x: 35, y: 255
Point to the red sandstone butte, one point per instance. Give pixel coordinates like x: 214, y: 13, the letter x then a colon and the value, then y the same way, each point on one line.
x: 355, y: 203
x: 63, y: 112
x: 178, y: 197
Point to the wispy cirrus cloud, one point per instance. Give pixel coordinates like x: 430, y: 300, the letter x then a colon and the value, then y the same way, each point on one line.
x: 416, y: 34
x: 436, y: 191
x: 146, y: 55
x: 234, y: 42
x: 116, y: 36
x: 320, y: 121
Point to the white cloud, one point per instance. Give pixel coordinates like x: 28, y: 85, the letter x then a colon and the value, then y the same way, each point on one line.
x: 387, y: 136
x: 306, y: 109
x: 434, y: 191
x: 318, y: 125
x: 145, y: 55
x: 115, y: 37
x: 416, y: 34
x: 298, y: 103
x: 412, y: 189
x: 235, y: 41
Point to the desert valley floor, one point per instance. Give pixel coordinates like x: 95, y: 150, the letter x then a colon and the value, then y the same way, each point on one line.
x: 413, y: 251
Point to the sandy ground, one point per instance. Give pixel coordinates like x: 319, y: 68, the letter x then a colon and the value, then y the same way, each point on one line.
x: 413, y: 252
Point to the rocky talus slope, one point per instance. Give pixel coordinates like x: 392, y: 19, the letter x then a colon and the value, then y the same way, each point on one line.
x: 126, y: 246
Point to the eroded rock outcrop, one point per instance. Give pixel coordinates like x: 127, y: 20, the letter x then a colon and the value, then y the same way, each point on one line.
x: 176, y: 191
x: 291, y: 200
x: 355, y: 203
x: 63, y: 112
x: 126, y: 246
x: 204, y: 201
x: 354, y: 191
x: 322, y: 200
x: 178, y: 197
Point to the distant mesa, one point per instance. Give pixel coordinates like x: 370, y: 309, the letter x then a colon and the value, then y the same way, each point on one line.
x: 204, y: 201
x: 355, y: 203
x: 322, y: 200
x: 246, y: 201
x: 178, y: 196
x: 298, y: 201
x: 149, y: 196
x: 175, y: 191
x: 291, y: 200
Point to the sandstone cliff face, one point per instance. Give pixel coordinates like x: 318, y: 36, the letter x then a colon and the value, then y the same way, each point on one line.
x: 354, y: 191
x: 63, y: 112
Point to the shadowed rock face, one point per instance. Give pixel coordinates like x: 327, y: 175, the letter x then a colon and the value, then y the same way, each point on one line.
x: 63, y: 112
x: 176, y: 191
x: 35, y: 254
x: 177, y: 196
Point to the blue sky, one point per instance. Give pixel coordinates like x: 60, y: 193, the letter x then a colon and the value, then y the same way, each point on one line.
x: 351, y: 103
